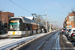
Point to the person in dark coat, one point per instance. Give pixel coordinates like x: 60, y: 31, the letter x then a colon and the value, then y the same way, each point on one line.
x: 45, y: 31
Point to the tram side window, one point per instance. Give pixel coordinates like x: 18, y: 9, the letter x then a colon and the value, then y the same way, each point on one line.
x: 21, y: 25
x: 27, y: 26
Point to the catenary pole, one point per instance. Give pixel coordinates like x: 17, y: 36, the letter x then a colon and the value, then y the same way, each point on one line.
x: 46, y: 21
x: 50, y: 23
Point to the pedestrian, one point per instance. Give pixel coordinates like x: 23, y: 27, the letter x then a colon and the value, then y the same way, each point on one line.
x: 42, y: 30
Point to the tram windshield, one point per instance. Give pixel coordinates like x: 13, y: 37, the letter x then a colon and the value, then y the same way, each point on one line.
x: 14, y: 25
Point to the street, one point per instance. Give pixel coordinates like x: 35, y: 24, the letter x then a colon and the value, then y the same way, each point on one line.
x: 37, y: 25
x: 38, y: 41
x: 46, y: 42
x: 53, y: 41
x: 9, y: 43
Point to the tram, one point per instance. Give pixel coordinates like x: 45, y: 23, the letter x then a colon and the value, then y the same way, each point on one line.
x: 22, y: 27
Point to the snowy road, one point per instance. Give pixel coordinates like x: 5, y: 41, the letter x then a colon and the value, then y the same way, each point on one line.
x: 48, y: 42
x: 53, y: 43
x: 10, y: 43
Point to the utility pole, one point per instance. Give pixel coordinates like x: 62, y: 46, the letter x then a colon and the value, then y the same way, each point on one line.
x: 50, y: 23
x: 45, y: 18
x: 46, y: 21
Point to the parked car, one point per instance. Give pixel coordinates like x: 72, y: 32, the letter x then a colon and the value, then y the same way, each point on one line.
x: 66, y: 32
x: 63, y: 30
x: 71, y: 34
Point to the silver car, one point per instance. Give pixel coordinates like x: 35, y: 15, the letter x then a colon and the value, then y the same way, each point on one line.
x: 71, y: 34
x: 66, y: 32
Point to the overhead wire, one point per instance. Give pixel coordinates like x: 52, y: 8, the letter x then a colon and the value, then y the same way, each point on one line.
x: 42, y: 12
x: 20, y: 6
x: 24, y: 8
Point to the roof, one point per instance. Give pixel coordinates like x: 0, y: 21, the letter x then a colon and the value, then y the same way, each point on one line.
x: 31, y: 18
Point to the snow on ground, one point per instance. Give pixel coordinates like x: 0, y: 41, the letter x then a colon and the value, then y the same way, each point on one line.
x: 10, y: 43
x: 68, y: 45
x: 67, y: 41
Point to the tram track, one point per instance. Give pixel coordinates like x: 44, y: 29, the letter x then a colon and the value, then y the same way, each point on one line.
x: 41, y: 48
x: 33, y: 41
x: 13, y: 39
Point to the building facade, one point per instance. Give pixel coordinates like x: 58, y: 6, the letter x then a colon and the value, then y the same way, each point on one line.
x: 69, y: 21
x: 4, y: 17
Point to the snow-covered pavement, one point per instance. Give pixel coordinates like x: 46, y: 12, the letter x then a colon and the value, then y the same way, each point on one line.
x: 6, y: 44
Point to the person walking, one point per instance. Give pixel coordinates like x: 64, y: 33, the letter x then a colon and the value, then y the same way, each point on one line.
x: 42, y: 30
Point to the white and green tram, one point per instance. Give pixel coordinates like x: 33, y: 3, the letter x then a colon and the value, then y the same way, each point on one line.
x: 21, y: 26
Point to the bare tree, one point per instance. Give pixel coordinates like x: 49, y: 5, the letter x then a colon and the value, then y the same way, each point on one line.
x: 39, y: 18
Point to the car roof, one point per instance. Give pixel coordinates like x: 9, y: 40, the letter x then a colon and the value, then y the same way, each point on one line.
x: 72, y: 28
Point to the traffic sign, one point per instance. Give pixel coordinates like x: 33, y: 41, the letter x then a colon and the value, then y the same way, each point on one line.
x: 66, y: 27
x: 70, y: 26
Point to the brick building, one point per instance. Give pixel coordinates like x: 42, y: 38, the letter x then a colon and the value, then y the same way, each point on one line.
x: 4, y: 17
x: 69, y: 20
